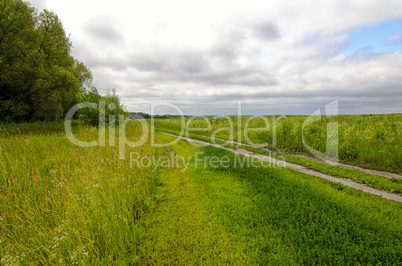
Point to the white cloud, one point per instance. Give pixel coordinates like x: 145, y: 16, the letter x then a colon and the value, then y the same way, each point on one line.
x: 396, y: 38
x: 104, y: 29
x: 39, y: 4
x: 275, y: 55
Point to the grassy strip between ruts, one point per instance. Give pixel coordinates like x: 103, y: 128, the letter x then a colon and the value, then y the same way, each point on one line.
x: 388, y: 184
x: 284, y: 216
x: 182, y: 230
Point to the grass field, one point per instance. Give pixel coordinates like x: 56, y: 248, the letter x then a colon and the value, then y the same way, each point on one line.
x: 388, y: 184
x: 64, y: 204
x: 370, y: 141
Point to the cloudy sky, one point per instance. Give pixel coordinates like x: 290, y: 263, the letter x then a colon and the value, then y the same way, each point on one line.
x: 276, y: 57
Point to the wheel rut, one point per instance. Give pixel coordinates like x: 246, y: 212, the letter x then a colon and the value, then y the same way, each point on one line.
x: 302, y: 169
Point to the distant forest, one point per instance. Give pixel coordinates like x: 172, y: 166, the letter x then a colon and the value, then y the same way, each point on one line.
x: 141, y: 115
x: 39, y: 79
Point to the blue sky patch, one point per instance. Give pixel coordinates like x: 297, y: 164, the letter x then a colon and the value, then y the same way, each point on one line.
x: 375, y: 39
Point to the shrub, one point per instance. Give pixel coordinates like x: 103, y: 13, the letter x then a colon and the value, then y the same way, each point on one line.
x: 112, y: 108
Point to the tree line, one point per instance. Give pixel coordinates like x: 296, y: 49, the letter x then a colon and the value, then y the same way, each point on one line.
x: 141, y: 115
x: 39, y: 78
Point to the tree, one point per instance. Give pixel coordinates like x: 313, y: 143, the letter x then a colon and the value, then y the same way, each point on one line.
x: 111, y: 107
x: 17, y: 26
x: 60, y: 77
x: 39, y: 79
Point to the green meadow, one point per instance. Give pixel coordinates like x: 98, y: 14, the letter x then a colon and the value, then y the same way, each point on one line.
x: 64, y: 204
x: 369, y: 141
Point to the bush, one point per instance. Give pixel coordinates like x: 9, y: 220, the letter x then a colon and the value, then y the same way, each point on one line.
x: 108, y: 107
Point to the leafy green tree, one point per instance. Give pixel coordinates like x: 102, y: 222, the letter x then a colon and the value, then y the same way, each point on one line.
x: 60, y: 78
x: 17, y: 38
x: 39, y: 79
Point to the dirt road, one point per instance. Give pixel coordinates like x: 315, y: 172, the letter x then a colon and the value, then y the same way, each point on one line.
x: 344, y: 181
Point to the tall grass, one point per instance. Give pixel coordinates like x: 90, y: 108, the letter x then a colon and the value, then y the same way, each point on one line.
x: 60, y: 203
x: 371, y: 141
x: 31, y: 128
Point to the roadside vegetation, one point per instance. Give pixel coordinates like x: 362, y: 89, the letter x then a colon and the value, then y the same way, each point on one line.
x: 369, y: 141
x: 64, y: 204
x: 392, y: 185
x: 292, y: 218
x: 275, y: 215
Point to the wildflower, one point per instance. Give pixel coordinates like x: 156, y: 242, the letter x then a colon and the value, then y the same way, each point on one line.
x: 53, y: 171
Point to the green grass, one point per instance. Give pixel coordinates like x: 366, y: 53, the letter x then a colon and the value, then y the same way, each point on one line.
x: 388, y: 184
x: 370, y: 141
x: 182, y: 230
x: 286, y: 217
x: 292, y: 218
x: 60, y: 203
x: 31, y: 128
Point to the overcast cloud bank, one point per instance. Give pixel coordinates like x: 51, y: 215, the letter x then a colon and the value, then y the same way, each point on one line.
x: 281, y: 57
